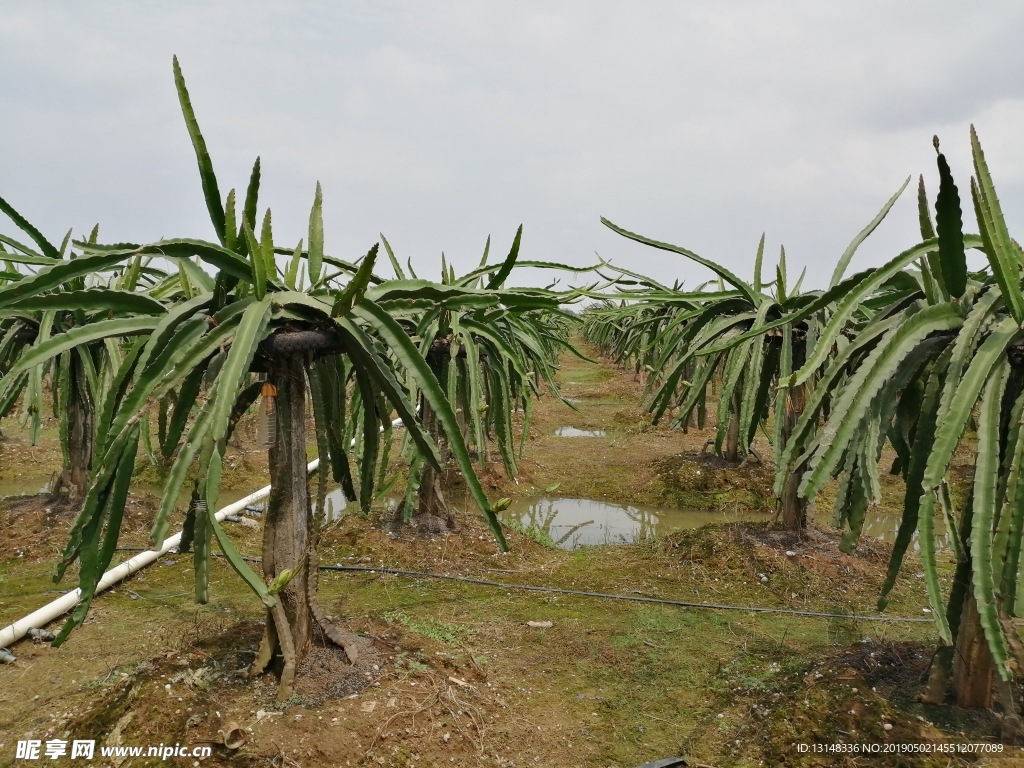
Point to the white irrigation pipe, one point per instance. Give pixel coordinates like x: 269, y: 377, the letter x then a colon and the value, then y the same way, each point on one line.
x: 64, y: 603
x: 40, y: 618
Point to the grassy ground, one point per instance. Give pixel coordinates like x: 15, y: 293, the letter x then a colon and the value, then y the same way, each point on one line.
x: 452, y: 673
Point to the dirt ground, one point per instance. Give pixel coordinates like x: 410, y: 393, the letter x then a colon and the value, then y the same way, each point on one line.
x: 458, y: 673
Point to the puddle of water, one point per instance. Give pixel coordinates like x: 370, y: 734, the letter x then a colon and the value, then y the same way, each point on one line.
x: 570, y: 523
x: 884, y: 527
x: 24, y: 486
x: 573, y: 523
x: 573, y: 432
x: 334, y: 506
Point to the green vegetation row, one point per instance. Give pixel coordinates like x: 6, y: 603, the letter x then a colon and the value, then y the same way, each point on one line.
x: 914, y: 357
x: 160, y: 348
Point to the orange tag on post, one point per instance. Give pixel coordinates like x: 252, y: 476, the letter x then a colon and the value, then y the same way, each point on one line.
x: 268, y: 422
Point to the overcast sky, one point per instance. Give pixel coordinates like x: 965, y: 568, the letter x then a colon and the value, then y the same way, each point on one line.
x: 702, y: 123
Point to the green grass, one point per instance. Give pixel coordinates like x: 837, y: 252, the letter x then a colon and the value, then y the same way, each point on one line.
x: 637, y: 680
x: 438, y: 631
x: 538, y: 535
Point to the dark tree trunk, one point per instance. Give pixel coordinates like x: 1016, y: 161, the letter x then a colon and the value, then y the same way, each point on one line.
x: 432, y: 513
x: 794, y: 508
x: 290, y: 537
x: 79, y: 449
x: 732, y: 436
x: 973, y: 667
x: 75, y: 476
x: 287, y: 530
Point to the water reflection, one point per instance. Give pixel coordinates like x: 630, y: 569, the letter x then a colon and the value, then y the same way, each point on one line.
x: 575, y: 523
x: 573, y: 432
x: 884, y: 527
x: 27, y: 486
x: 570, y: 523
x: 334, y: 506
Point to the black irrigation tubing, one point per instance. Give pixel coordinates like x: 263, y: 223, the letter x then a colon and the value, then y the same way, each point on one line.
x: 629, y: 598
x: 608, y: 596
x: 604, y: 595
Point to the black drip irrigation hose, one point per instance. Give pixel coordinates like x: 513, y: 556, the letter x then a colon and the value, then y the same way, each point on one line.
x: 609, y: 596
x: 602, y: 595
x: 629, y: 598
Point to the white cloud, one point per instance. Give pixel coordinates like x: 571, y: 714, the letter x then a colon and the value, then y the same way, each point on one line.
x: 703, y: 123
